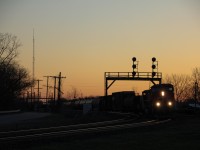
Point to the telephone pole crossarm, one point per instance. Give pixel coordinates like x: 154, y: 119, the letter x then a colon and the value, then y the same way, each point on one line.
x: 59, y: 77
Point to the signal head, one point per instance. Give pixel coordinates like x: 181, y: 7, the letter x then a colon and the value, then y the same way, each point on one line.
x: 133, y: 73
x: 134, y: 59
x: 134, y: 66
x: 153, y: 74
x: 153, y: 66
x: 153, y: 59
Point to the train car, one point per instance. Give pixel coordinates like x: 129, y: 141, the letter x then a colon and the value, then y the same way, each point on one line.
x: 123, y: 101
x: 126, y: 101
x: 105, y: 103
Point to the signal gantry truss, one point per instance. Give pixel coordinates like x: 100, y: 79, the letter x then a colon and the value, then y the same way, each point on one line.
x: 135, y: 75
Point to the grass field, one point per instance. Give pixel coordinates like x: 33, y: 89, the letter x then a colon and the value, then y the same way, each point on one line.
x: 182, y: 133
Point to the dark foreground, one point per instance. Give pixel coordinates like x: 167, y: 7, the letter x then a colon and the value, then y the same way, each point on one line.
x: 182, y: 133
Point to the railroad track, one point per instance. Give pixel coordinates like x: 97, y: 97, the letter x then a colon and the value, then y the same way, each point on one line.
x: 128, y: 118
x: 71, y: 130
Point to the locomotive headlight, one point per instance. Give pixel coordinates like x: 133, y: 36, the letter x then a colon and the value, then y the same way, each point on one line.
x: 163, y: 93
x: 158, y: 104
x: 169, y: 103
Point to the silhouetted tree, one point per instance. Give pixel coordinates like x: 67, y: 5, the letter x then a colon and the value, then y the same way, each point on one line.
x: 14, y: 79
x: 196, y: 79
x: 9, y: 45
x: 182, y: 85
x: 74, y: 93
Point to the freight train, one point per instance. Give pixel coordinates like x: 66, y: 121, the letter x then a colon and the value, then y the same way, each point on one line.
x: 159, y: 98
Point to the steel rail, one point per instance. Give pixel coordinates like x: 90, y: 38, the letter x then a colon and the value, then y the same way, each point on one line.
x: 80, y: 131
x: 131, y: 117
x: 40, y: 130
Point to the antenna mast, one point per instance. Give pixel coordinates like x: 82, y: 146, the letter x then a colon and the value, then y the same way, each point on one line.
x: 33, y: 57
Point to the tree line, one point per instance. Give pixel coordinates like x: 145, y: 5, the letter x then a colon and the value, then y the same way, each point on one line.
x: 185, y: 86
x: 14, y: 78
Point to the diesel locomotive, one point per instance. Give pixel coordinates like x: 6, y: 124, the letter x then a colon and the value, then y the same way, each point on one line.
x: 160, y: 98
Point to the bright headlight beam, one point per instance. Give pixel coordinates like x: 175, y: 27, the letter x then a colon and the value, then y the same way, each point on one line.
x: 158, y: 104
x: 163, y: 93
x: 170, y: 103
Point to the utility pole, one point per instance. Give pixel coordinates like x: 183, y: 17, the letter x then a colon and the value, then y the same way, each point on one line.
x: 47, y: 90
x: 32, y: 94
x: 54, y: 96
x: 54, y: 92
x: 38, y: 88
x: 59, y: 86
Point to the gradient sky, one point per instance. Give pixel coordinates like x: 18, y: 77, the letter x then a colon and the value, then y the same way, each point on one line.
x: 85, y: 38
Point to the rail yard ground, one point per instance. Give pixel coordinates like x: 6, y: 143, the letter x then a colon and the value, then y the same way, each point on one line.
x: 183, y: 133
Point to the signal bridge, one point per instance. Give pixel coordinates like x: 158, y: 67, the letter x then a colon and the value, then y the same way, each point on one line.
x: 153, y: 76
x: 139, y: 76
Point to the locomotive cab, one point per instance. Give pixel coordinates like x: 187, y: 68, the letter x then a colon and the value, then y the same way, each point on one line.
x: 162, y: 97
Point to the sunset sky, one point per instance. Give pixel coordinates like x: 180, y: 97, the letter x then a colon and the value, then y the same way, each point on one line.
x: 85, y: 38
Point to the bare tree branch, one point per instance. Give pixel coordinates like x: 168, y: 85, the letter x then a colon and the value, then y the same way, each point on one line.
x: 196, y: 78
x: 182, y: 85
x: 14, y: 79
x: 74, y: 93
x: 9, y: 45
